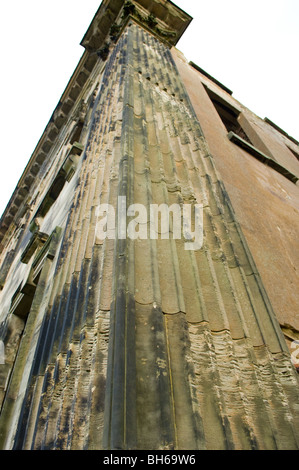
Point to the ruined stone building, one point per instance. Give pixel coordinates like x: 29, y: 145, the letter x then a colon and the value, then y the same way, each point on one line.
x: 138, y: 343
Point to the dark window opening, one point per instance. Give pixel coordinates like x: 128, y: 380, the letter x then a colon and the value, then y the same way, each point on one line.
x: 14, y: 326
x: 37, y: 240
x: 22, y: 300
x: 236, y: 134
x: 12, y: 330
x: 228, y: 114
x: 230, y: 120
x: 77, y: 133
x: 64, y: 175
x: 52, y: 194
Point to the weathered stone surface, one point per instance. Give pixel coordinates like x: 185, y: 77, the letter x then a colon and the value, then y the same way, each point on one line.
x: 141, y: 344
x: 266, y: 203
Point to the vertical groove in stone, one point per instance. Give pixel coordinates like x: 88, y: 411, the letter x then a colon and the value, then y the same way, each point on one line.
x: 155, y: 423
x: 120, y: 416
x: 154, y: 401
x: 188, y: 422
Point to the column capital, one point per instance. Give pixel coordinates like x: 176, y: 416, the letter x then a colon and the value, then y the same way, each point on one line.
x: 161, y: 17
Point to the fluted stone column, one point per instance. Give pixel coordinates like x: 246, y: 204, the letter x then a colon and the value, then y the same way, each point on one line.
x: 142, y: 344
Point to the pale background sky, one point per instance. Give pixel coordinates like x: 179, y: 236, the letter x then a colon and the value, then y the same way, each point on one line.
x: 249, y: 46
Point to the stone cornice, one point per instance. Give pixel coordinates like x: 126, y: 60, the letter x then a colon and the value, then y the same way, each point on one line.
x: 161, y: 17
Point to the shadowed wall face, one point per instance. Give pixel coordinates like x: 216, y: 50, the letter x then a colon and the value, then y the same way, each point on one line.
x: 142, y: 344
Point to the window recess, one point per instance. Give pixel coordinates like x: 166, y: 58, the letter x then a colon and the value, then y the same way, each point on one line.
x: 23, y: 297
x: 36, y: 241
x: 64, y: 175
x: 229, y: 115
x: 76, y: 135
x: 29, y: 292
x: 236, y: 134
x: 48, y: 251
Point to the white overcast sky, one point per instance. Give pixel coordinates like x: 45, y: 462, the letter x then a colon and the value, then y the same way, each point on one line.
x: 250, y: 46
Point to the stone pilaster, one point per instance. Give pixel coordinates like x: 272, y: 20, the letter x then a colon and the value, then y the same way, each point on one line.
x: 141, y: 344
